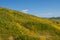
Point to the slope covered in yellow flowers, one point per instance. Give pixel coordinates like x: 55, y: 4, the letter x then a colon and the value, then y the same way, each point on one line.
x: 15, y: 25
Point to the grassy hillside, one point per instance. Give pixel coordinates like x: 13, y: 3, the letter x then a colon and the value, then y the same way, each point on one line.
x: 55, y: 20
x: 16, y: 25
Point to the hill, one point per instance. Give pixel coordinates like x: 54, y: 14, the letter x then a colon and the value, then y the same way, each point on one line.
x: 15, y: 25
x: 55, y: 18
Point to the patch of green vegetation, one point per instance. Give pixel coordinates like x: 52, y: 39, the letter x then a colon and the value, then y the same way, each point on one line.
x: 15, y: 25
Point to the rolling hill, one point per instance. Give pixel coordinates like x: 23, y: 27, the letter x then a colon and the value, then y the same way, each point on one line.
x: 15, y: 25
x: 55, y: 18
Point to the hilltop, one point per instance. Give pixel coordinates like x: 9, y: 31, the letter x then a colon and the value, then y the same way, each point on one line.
x: 15, y: 25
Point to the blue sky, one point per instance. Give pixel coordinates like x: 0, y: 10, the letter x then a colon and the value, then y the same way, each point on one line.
x: 41, y: 8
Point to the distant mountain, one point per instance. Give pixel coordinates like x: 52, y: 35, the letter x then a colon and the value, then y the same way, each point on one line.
x: 55, y: 18
x: 15, y: 25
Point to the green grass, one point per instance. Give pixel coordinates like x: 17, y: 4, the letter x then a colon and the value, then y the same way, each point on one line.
x: 15, y: 25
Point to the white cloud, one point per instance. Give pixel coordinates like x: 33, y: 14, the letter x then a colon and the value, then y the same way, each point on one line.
x: 25, y: 11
